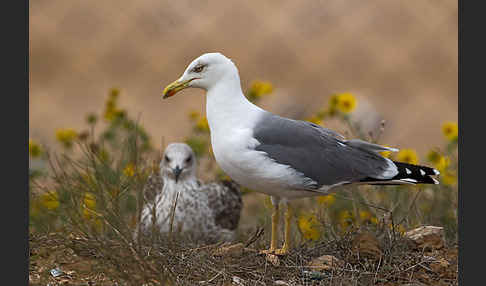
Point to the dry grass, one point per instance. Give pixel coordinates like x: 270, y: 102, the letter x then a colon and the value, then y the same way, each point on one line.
x: 88, y: 261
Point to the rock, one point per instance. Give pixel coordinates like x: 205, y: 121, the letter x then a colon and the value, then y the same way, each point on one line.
x: 313, y: 275
x: 366, y: 245
x: 237, y: 281
x: 56, y: 272
x: 325, y: 262
x: 427, y: 237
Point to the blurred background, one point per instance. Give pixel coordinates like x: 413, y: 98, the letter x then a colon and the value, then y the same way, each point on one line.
x: 399, y: 58
x: 345, y: 64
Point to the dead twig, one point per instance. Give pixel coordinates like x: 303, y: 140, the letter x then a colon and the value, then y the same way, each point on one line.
x: 256, y: 236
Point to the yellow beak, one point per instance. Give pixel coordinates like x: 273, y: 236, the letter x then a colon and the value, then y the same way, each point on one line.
x: 174, y: 88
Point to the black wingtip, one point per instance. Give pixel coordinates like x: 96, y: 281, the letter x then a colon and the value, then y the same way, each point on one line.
x: 408, y: 174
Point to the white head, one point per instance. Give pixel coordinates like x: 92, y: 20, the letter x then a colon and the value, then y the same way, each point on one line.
x: 204, y: 72
x: 178, y: 163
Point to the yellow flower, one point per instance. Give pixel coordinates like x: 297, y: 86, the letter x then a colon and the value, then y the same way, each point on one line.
x: 34, y: 149
x: 442, y: 164
x: 66, y: 136
x: 110, y: 114
x: 346, y: 102
x: 114, y: 92
x: 113, y: 113
x: 450, y: 130
x: 433, y: 156
x: 50, y: 200
x: 111, y: 110
x: 262, y: 87
x: 259, y: 89
x: 315, y: 120
x: 366, y: 216
x: 400, y: 228
x: 202, y: 125
x: 326, y: 200
x: 407, y: 156
x: 92, y: 219
x: 194, y: 115
x: 89, y: 213
x: 89, y: 205
x: 89, y: 200
x: 129, y: 170
x: 110, y: 104
x: 309, y: 226
x: 346, y: 219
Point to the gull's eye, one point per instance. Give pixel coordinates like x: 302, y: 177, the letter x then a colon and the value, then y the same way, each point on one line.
x: 167, y: 159
x: 188, y: 159
x: 198, y: 68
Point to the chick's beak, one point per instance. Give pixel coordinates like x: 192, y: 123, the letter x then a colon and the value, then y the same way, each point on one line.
x: 177, y: 172
x: 174, y: 88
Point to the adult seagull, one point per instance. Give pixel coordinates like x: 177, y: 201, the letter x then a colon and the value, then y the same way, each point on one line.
x: 281, y: 157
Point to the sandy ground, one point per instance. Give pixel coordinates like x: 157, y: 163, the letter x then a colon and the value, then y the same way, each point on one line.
x: 399, y: 58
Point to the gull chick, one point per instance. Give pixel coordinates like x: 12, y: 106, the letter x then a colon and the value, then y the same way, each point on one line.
x: 204, y: 213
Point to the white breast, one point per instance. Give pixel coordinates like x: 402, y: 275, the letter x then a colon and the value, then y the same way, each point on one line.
x: 235, y: 154
x: 231, y: 119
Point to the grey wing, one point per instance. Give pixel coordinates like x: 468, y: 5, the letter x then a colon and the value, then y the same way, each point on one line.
x: 224, y: 199
x: 319, y: 153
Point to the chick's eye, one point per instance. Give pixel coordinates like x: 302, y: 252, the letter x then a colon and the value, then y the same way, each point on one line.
x: 188, y: 159
x: 198, y: 69
x: 167, y: 159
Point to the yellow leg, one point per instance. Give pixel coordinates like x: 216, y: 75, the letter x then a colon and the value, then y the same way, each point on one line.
x: 287, y: 243
x: 274, y: 241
